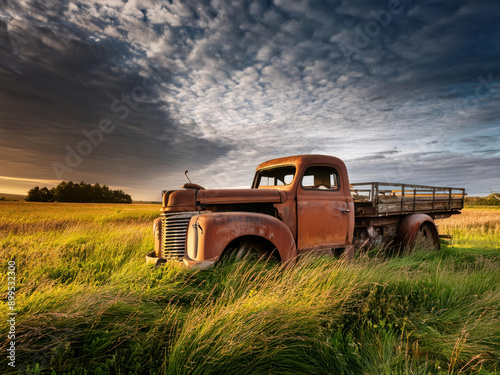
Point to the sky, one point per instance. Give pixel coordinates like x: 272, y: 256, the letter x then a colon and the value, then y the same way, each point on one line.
x: 133, y: 93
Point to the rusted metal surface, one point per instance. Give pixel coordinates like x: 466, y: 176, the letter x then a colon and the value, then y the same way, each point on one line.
x: 192, y: 186
x: 192, y: 199
x: 179, y: 200
x: 300, y: 161
x: 173, y: 234
x: 210, y: 234
x: 157, y: 230
x: 233, y: 196
x: 303, y: 161
x: 409, y: 226
x: 308, y: 206
x: 324, y: 217
x: 317, y: 230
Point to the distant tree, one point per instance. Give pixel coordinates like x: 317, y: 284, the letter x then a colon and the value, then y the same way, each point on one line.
x: 34, y: 195
x: 96, y: 193
x: 46, y: 194
x: 490, y: 200
x: 81, y: 192
x: 40, y: 195
x: 120, y: 196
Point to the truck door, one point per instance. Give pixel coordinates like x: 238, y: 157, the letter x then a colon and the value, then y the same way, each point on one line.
x: 322, y: 210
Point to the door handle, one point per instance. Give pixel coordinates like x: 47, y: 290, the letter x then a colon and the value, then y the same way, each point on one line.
x: 344, y: 211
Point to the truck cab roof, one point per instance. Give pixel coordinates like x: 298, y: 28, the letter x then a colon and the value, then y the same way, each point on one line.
x: 302, y: 160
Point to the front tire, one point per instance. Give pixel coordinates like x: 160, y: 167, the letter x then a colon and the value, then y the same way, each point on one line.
x: 249, y: 248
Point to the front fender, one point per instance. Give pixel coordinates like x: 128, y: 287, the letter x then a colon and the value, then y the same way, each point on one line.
x: 209, y: 234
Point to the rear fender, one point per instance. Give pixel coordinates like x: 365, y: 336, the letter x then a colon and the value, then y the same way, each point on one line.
x: 209, y: 234
x: 409, y: 226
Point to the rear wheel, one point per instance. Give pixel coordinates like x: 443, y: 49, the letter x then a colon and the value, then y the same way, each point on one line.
x: 427, y: 237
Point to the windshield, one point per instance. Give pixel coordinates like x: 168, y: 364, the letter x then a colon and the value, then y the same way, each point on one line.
x: 280, y: 176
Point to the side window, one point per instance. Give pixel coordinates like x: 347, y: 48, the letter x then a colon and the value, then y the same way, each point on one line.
x: 320, y: 178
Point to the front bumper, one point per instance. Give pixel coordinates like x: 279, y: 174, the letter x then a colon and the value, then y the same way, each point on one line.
x: 181, y: 262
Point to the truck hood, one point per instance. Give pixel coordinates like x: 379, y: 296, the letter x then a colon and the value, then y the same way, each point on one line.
x: 232, y: 196
x: 193, y: 198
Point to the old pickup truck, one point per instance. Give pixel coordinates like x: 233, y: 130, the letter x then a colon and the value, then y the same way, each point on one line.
x: 297, y: 205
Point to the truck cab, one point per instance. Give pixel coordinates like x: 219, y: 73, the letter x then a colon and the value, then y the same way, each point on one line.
x: 320, y: 209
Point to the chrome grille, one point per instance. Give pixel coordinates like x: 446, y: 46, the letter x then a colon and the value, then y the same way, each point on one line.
x: 174, y: 228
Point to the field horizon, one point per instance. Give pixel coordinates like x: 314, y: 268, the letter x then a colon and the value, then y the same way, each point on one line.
x: 87, y: 303
x: 20, y: 197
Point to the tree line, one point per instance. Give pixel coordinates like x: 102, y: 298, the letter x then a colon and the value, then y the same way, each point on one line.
x: 490, y: 200
x: 78, y: 193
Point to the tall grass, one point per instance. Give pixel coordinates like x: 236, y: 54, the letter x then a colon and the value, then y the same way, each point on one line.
x: 88, y: 303
x: 475, y: 228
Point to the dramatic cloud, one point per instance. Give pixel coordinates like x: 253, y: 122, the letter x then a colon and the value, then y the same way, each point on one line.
x: 401, y: 90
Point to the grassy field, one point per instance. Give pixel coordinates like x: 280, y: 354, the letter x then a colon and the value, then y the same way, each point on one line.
x: 88, y: 304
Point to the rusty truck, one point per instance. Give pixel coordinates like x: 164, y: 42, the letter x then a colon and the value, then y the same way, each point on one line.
x: 298, y: 205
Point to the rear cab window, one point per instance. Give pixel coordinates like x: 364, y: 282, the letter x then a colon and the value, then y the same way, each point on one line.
x: 321, y: 178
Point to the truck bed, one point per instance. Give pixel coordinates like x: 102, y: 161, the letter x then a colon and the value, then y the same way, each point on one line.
x: 375, y: 199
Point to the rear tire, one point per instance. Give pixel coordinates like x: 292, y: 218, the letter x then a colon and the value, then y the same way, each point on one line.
x: 427, y: 237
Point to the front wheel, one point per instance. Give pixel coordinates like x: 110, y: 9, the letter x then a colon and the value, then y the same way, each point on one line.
x: 245, y: 249
x: 249, y: 248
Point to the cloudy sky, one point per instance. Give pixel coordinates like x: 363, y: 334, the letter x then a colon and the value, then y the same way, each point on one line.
x: 132, y: 93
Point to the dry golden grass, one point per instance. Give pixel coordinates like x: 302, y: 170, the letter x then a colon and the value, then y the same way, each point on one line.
x: 474, y: 229
x: 88, y: 303
x: 485, y: 221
